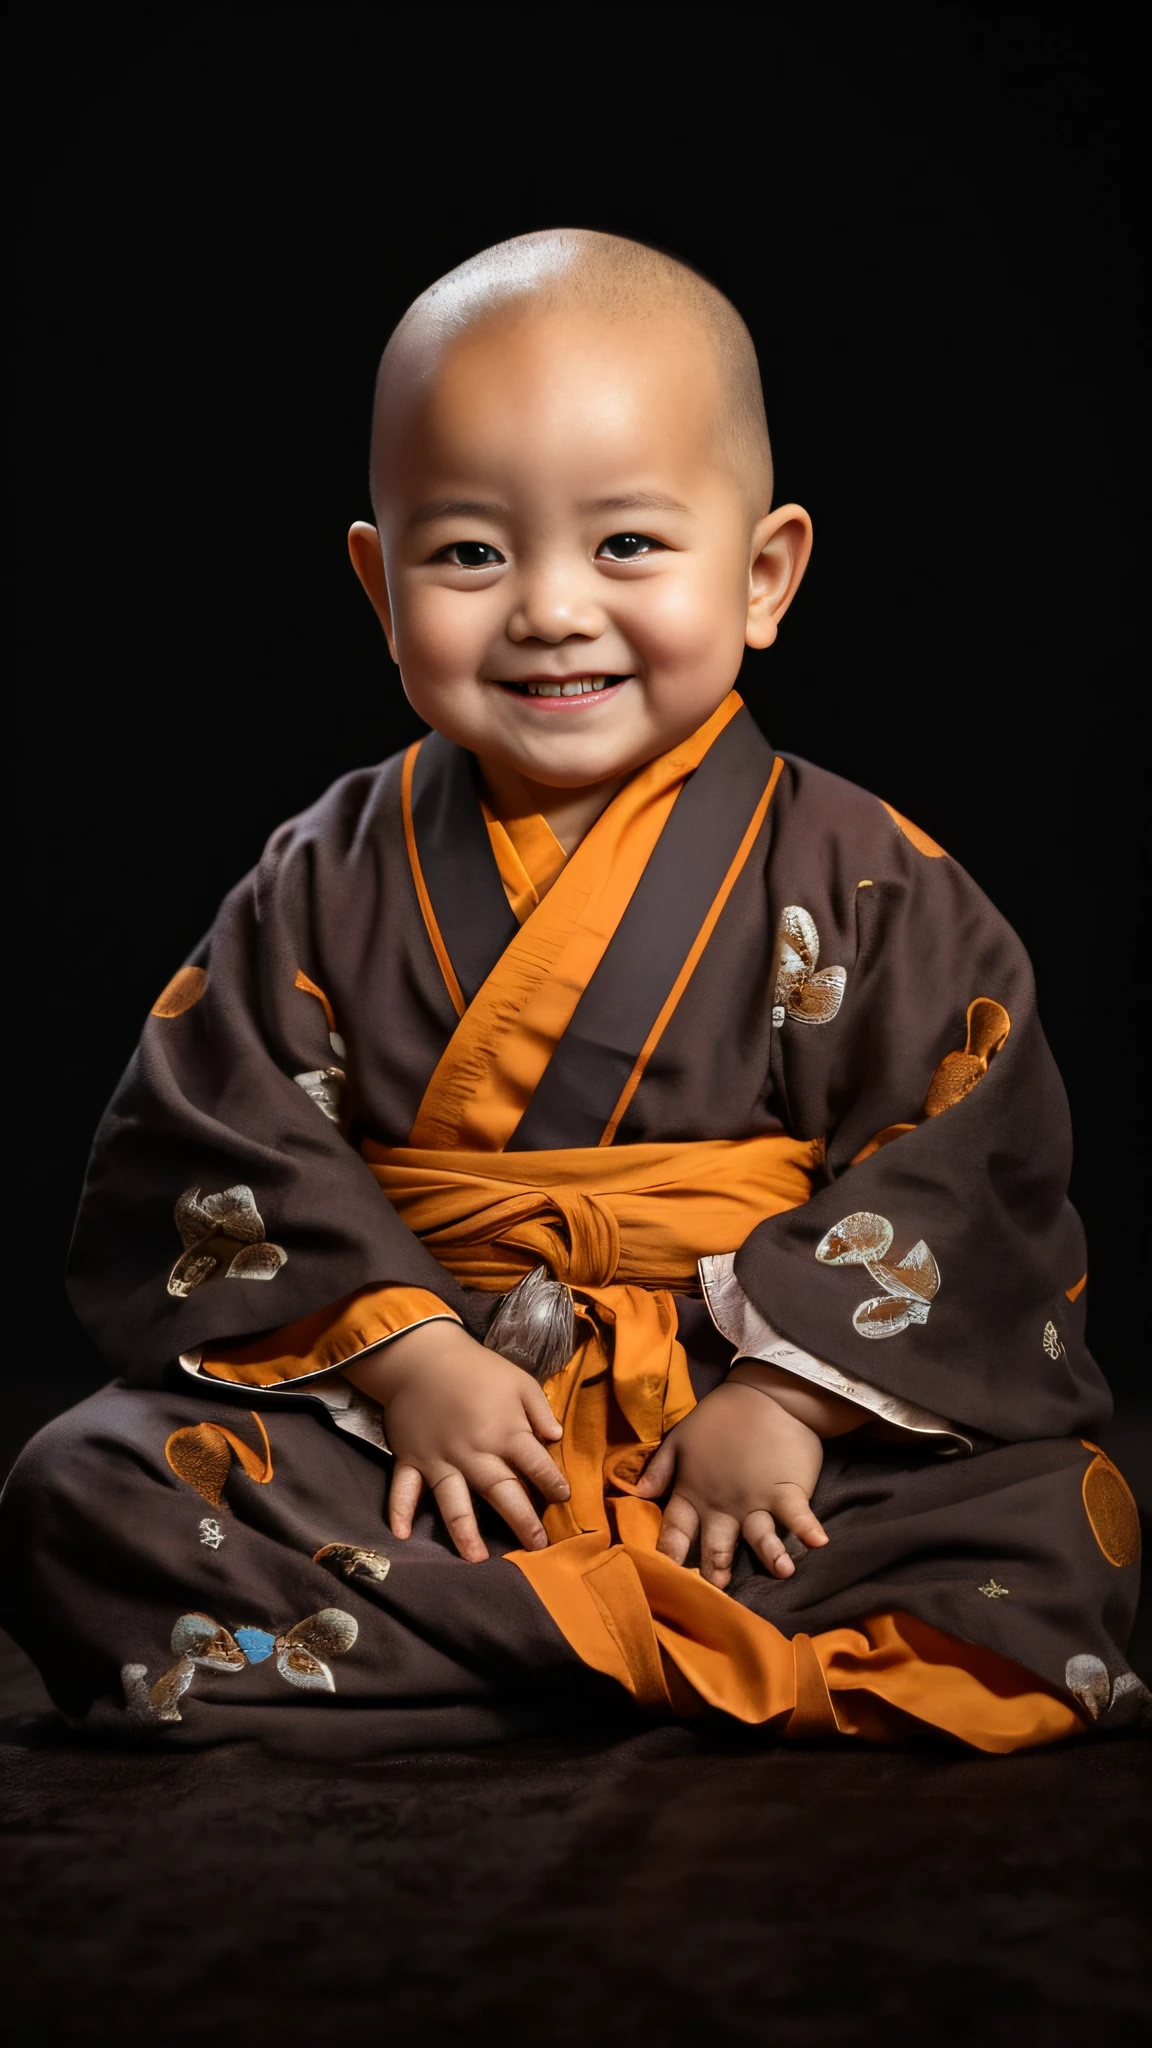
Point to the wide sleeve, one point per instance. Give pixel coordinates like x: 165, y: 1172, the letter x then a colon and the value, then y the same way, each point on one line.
x: 223, y: 1197
x: 941, y: 1260
x: 320, y: 1344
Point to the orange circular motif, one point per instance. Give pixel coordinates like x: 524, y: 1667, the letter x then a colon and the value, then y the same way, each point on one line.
x: 199, y: 1455
x: 1113, y: 1516
x: 183, y: 991
x: 919, y: 839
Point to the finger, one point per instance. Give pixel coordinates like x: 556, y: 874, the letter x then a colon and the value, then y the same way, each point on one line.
x: 719, y: 1535
x: 791, y: 1507
x: 455, y: 1504
x: 528, y: 1456
x: 659, y: 1470
x: 540, y: 1416
x: 760, y: 1535
x: 509, y: 1499
x: 403, y: 1498
x: 678, y: 1527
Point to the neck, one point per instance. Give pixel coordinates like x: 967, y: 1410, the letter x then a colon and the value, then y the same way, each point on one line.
x: 569, y: 812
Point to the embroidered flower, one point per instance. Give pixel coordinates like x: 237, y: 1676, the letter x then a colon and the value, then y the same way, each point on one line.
x: 909, y: 1288
x: 959, y: 1072
x: 1127, y: 1703
x: 199, y: 1643
x: 222, y: 1233
x: 324, y: 1087
x: 351, y: 1558
x: 201, y: 1455
x: 801, y: 993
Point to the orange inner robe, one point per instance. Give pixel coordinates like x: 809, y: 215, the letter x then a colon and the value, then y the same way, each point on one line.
x: 624, y: 1227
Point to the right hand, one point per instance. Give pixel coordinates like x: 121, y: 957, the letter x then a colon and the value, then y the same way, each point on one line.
x: 461, y: 1420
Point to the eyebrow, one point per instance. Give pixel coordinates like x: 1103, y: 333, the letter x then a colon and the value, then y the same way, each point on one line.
x: 482, y: 508
x: 456, y: 508
x: 634, y: 501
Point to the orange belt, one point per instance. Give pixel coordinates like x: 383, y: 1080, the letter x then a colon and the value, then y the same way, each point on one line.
x: 624, y: 1227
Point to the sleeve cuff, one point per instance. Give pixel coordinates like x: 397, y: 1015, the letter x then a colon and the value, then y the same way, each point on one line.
x: 741, y: 1322
x: 322, y: 1342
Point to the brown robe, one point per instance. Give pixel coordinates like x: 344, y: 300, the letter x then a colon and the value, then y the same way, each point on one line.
x: 785, y: 960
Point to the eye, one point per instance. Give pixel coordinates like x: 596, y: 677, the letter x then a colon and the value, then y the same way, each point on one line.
x: 470, y: 554
x: 625, y: 547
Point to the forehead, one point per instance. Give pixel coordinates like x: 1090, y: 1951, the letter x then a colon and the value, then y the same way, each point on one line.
x: 564, y: 387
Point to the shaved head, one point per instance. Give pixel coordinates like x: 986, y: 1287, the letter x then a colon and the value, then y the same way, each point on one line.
x: 595, y: 276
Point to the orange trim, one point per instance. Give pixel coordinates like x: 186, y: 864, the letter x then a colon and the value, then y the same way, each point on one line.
x: 1074, y: 1293
x: 330, y: 1336
x: 690, y: 964
x: 308, y: 987
x: 422, y: 896
x: 919, y: 839
x: 528, y: 855
x: 491, y: 1068
x: 884, y: 1137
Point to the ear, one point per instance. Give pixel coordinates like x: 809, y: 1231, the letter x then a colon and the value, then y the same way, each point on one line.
x: 368, y: 562
x: 781, y: 545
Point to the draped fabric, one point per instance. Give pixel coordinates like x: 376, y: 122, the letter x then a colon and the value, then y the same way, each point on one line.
x: 623, y: 1229
x: 755, y: 1014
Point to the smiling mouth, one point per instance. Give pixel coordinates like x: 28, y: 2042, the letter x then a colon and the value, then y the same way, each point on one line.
x: 573, y: 686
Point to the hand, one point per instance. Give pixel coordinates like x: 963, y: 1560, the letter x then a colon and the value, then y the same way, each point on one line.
x: 460, y: 1417
x: 742, y: 1464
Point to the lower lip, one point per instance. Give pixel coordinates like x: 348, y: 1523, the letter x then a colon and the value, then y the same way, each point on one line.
x: 584, y: 702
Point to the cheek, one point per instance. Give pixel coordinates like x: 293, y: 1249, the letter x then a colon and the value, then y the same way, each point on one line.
x: 688, y: 617
x: 440, y: 633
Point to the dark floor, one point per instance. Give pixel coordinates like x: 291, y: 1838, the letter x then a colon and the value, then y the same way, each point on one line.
x: 630, y: 1887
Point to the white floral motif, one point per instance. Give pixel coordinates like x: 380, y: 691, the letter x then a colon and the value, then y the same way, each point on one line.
x: 324, y: 1087
x: 909, y: 1287
x: 801, y: 993
x: 211, y: 1534
x: 1126, y: 1703
x: 222, y: 1231
x: 1052, y: 1344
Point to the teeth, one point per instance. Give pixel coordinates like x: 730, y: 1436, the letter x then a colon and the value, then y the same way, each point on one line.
x: 581, y: 686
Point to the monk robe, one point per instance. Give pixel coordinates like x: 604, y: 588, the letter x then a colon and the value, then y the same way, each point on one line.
x: 756, y: 1072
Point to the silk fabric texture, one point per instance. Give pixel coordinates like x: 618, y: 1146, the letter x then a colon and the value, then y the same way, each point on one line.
x: 606, y: 1022
x: 624, y: 1228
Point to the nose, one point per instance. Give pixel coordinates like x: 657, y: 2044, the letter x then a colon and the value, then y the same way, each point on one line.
x: 553, y: 603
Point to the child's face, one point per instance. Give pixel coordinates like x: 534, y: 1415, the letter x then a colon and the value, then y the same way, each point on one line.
x: 557, y: 511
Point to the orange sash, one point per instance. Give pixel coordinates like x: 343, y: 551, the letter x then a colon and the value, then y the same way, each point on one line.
x: 623, y: 1227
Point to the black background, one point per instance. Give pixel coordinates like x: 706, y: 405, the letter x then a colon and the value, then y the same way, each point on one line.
x: 927, y: 217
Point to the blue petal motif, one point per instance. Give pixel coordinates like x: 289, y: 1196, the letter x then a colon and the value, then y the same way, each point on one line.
x: 256, y: 1643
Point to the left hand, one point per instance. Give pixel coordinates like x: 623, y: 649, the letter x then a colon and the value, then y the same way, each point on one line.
x: 742, y: 1464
